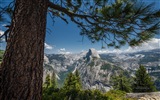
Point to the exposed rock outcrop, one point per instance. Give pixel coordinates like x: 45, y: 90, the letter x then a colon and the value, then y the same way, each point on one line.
x: 96, y: 70
x: 92, y: 53
x: 144, y: 96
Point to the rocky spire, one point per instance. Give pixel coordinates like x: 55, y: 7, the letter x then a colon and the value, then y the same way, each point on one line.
x: 92, y: 53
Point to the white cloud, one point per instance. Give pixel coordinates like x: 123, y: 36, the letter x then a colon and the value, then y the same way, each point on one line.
x: 47, y: 46
x: 103, y: 51
x: 63, y: 51
x: 154, y: 43
x: 1, y: 32
x: 109, y: 51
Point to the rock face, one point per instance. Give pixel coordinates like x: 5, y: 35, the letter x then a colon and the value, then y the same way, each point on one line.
x: 96, y: 70
x: 92, y: 74
x: 144, y: 96
x: 92, y: 53
x: 60, y: 64
x: 131, y: 61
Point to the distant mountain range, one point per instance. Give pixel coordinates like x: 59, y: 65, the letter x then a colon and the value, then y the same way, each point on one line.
x: 96, y: 69
x: 130, y: 61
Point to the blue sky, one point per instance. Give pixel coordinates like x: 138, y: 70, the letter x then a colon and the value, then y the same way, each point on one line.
x: 65, y: 38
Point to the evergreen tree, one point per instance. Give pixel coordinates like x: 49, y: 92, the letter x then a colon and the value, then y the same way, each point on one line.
x: 121, y: 82
x: 46, y: 85
x: 78, y: 79
x: 157, y: 83
x: 142, y: 81
x: 50, y: 90
x: 47, y: 81
x: 72, y: 86
x: 53, y: 81
x: 73, y: 81
x: 127, y: 21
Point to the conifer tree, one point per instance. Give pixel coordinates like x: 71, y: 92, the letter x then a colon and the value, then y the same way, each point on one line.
x: 72, y: 85
x: 114, y: 22
x: 121, y: 82
x: 157, y: 83
x: 142, y: 81
x: 50, y: 89
x: 72, y: 82
x: 53, y: 82
x: 78, y: 79
x: 47, y: 81
x: 46, y: 86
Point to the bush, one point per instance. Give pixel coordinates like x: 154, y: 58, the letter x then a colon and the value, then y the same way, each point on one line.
x: 116, y: 95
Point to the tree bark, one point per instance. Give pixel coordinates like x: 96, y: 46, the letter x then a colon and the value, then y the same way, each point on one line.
x: 22, y: 66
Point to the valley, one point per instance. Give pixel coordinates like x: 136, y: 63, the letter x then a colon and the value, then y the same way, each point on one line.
x: 97, y: 69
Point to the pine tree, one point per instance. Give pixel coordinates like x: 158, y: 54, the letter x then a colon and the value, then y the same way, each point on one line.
x: 72, y: 82
x: 142, y: 81
x: 78, y: 79
x: 47, y: 81
x: 72, y: 85
x: 127, y: 21
x: 157, y: 83
x: 53, y: 82
x: 46, y: 85
x: 50, y: 89
x: 121, y: 82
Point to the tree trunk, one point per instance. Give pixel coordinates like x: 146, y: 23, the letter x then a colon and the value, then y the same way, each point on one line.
x: 22, y: 66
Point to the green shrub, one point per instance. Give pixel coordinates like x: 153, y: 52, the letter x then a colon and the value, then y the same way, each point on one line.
x: 116, y: 95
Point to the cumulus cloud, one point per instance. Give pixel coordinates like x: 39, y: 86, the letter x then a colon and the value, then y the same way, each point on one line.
x: 47, y: 46
x: 63, y: 51
x: 110, y: 51
x: 103, y: 51
x: 154, y: 43
x: 1, y: 32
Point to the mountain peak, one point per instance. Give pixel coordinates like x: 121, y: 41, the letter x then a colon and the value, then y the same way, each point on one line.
x: 92, y: 53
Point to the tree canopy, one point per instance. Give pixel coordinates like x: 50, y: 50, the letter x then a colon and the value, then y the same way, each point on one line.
x: 115, y: 23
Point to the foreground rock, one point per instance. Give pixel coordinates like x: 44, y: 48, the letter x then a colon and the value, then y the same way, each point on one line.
x: 147, y: 97
x: 144, y: 96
